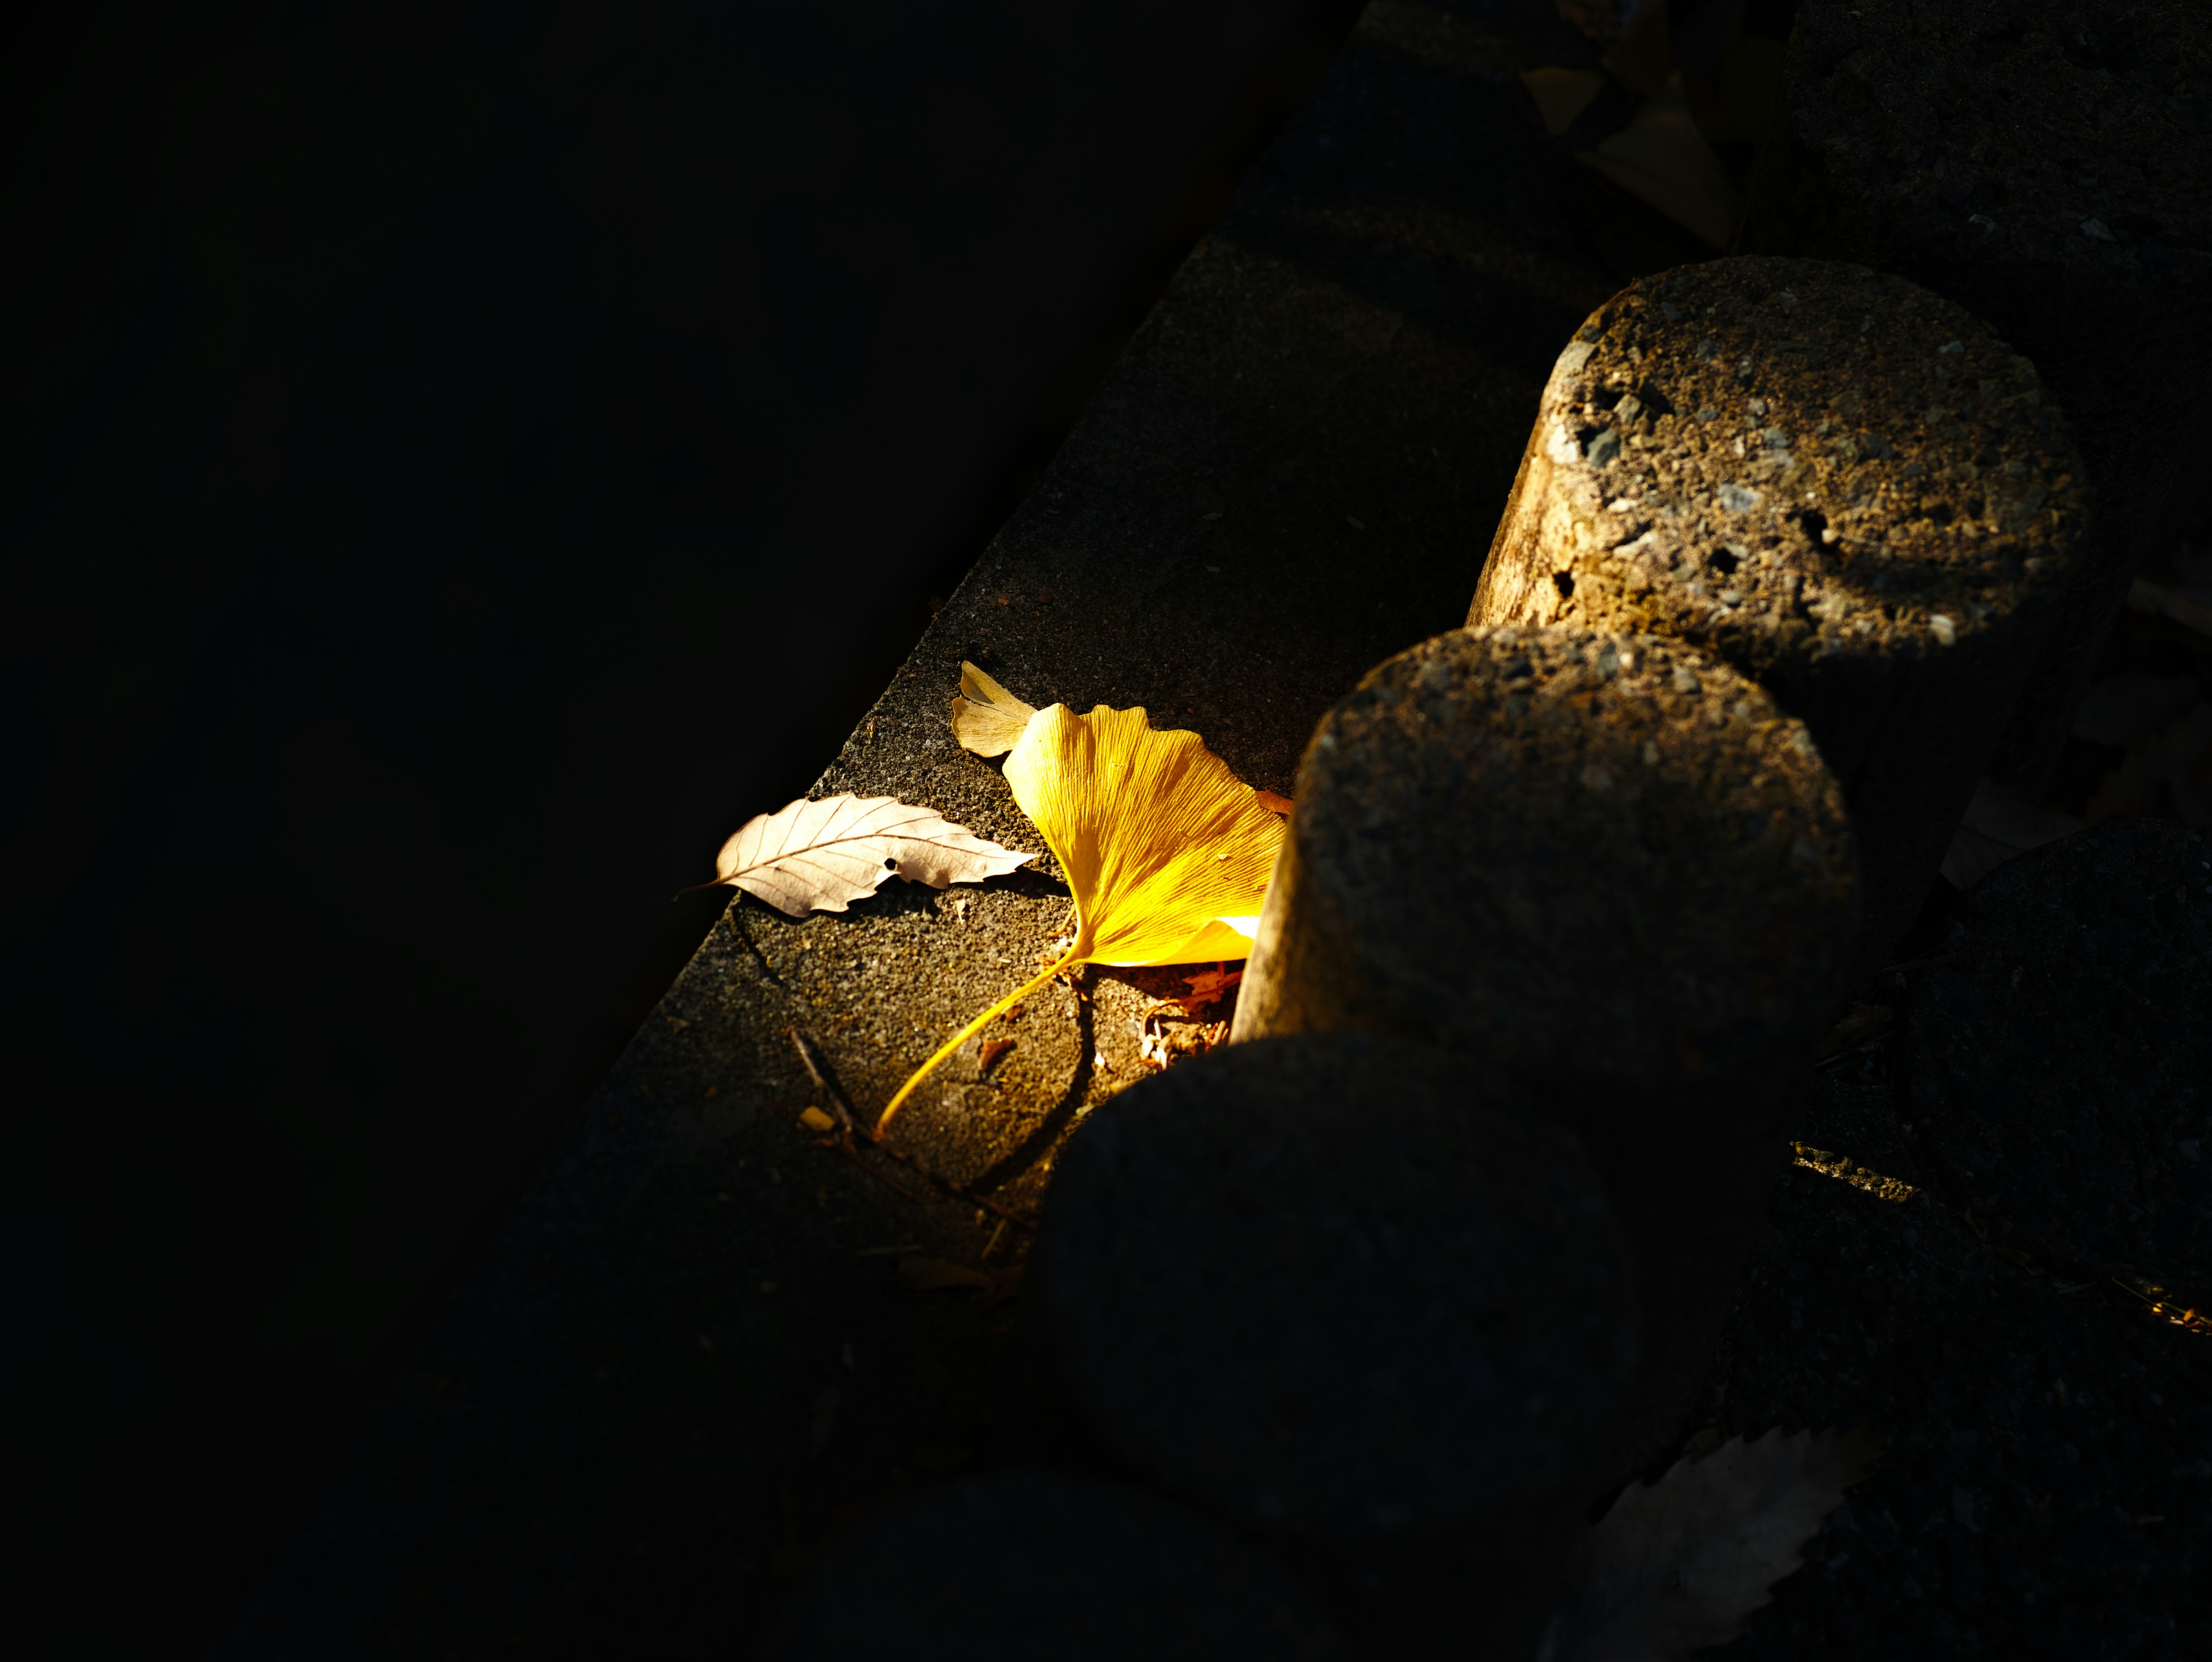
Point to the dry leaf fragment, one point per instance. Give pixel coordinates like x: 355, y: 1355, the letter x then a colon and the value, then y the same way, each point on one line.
x: 993, y: 1050
x: 1676, y: 1566
x: 815, y: 1120
x: 936, y: 1274
x: 932, y: 1274
x: 2000, y: 823
x: 2191, y: 607
x: 821, y: 855
x: 1207, y: 986
x: 2178, y: 760
x: 1275, y: 804
x: 1168, y: 852
x: 986, y: 717
x: 1662, y: 157
x: 1562, y: 95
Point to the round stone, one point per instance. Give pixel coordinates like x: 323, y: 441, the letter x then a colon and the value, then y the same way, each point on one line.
x: 1018, y: 1565
x: 1847, y: 488
x: 1358, y: 1296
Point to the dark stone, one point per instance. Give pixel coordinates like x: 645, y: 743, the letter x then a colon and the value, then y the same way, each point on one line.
x: 2044, y: 164
x: 1018, y: 1566
x: 1360, y: 1297
x: 1877, y: 523
x: 2058, y: 1056
x: 1612, y: 866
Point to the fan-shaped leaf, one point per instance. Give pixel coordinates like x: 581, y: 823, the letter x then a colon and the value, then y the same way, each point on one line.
x: 1168, y: 852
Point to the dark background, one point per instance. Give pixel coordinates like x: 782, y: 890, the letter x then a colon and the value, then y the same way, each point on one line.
x: 457, y: 468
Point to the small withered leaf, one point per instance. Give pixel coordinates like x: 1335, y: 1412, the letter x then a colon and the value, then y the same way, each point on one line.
x: 821, y: 856
x: 987, y: 719
x: 1677, y: 1565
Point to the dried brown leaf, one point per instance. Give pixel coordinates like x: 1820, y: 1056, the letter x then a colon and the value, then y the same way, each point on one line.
x: 2178, y: 760
x: 992, y: 1051
x: 1677, y: 1565
x: 821, y: 855
x: 1864, y: 1021
x: 986, y: 717
x: 934, y: 1274
x: 1562, y: 95
x: 2190, y: 606
x: 1662, y: 157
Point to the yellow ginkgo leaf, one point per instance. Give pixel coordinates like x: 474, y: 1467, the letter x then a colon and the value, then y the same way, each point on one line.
x: 1168, y: 852
x: 986, y: 717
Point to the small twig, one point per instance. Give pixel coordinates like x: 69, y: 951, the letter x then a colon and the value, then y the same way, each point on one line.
x: 849, y: 1135
x: 816, y: 1065
x: 957, y: 1190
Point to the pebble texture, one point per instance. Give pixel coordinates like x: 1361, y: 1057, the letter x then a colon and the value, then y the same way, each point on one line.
x: 1022, y: 1565
x: 1848, y: 489
x: 1362, y: 1299
x: 2060, y: 1063
x: 1610, y: 865
x: 2050, y: 166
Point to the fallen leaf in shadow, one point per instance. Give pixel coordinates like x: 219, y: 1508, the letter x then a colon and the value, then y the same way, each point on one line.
x: 2000, y: 825
x: 1678, y: 1564
x: 2178, y: 760
x: 821, y: 855
x: 986, y: 717
x: 1662, y: 159
x: 992, y: 1051
x: 1562, y: 95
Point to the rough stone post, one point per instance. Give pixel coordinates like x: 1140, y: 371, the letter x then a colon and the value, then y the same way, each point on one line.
x: 1850, y: 489
x: 1022, y: 1566
x: 1612, y: 866
x: 1366, y: 1301
x: 2048, y: 165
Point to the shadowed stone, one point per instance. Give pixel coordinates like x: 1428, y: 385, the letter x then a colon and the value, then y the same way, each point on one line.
x: 1612, y: 866
x: 2049, y: 165
x: 1848, y: 489
x: 1018, y: 1566
x: 1360, y: 1296
x: 2058, y: 1056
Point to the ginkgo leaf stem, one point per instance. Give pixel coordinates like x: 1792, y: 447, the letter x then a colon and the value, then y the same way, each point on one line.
x: 883, y: 1121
